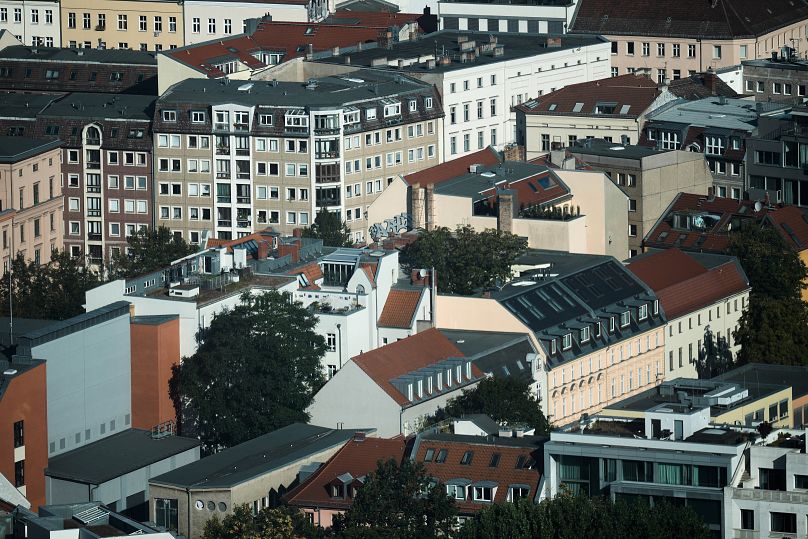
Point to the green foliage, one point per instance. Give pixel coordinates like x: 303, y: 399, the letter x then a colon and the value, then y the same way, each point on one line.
x: 256, y: 370
x: 52, y: 291
x: 148, y: 250
x: 774, y: 269
x: 715, y: 356
x: 329, y: 227
x: 401, y: 502
x: 504, y: 398
x: 465, y: 261
x: 241, y: 524
x: 574, y: 517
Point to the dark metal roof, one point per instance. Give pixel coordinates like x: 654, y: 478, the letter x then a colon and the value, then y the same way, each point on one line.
x: 500, y: 354
x: 15, y: 149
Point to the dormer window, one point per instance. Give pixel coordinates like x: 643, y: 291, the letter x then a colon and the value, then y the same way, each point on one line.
x: 169, y: 115
x: 517, y: 492
x: 597, y: 330
x: 642, y: 312
x: 198, y: 116
x: 611, y: 324
x: 265, y: 119
x: 585, y: 334
x: 625, y: 319
x: 566, y: 342
x: 370, y: 114
x: 459, y: 373
x: 413, y: 105
x: 420, y: 388
x: 392, y: 109
x: 656, y: 307
x: 441, y: 458
x: 428, y: 103
x: 468, y: 370
x: 337, y: 491
x: 458, y: 492
x: 351, y: 117
x: 410, y: 395
x: 429, y: 385
x: 296, y: 118
x: 553, y: 347
x: 448, y: 377
x: 440, y: 381
x: 483, y: 494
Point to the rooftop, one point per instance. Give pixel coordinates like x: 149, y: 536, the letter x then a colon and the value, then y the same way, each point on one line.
x: 16, y: 149
x: 116, y: 455
x: 714, y: 112
x: 625, y: 96
x: 498, y: 353
x: 699, y: 86
x: 93, y: 519
x: 256, y: 457
x: 795, y: 376
x: 634, y: 428
x: 92, y: 106
x: 28, y: 54
x: 401, y: 307
x: 447, y: 51
x: 719, y: 19
x: 536, y: 3
x: 604, y: 148
x: 454, y: 168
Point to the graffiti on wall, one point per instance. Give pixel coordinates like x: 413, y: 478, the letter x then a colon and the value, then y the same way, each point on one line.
x: 390, y: 227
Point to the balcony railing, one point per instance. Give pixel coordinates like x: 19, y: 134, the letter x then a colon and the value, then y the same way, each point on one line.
x: 93, y: 141
x: 93, y: 165
x: 224, y: 223
x: 221, y: 127
x: 242, y: 175
x: 242, y: 200
x: 244, y: 223
x: 93, y: 213
x: 93, y: 188
x: 222, y: 175
x: 243, y: 151
x: 326, y: 130
x: 222, y: 199
x: 328, y: 201
x: 94, y: 237
x: 222, y: 150
x: 327, y: 155
x: 241, y: 127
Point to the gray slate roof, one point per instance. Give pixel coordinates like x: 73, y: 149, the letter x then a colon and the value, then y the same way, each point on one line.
x: 15, y: 149
x: 86, y: 56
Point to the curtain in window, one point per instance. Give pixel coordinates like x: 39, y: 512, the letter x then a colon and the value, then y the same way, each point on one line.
x: 803, y: 154
x: 670, y: 474
x: 570, y: 468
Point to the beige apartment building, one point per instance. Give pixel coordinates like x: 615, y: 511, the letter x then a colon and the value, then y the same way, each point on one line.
x: 675, y: 39
x: 122, y: 24
x: 233, y: 158
x: 31, y: 202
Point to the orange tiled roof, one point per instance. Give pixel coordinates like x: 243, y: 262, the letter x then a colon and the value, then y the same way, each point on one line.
x: 400, y: 308
x: 312, y: 271
x: 452, y: 169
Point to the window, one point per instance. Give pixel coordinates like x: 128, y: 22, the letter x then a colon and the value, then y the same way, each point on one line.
x: 494, y: 462
x: 483, y: 494
x: 458, y: 492
x: 566, y: 342
x: 122, y: 22
x: 466, y: 458
x: 196, y: 24
x: 660, y: 49
x: 19, y: 474
x: 518, y: 492
x: 441, y: 458
x: 747, y: 519
x: 783, y: 522
x: 165, y: 511
x: 211, y: 26
x: 646, y: 49
x: 19, y: 434
x: 625, y: 319
x: 716, y: 52
x: 158, y: 23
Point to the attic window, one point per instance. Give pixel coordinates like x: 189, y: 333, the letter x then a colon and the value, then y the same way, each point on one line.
x: 611, y: 324
x: 309, y: 31
x: 605, y: 108
x: 577, y: 107
x: 494, y: 460
x: 624, y: 109
x: 301, y: 48
x: 466, y: 459
x: 625, y: 319
x: 656, y: 306
x: 642, y: 312
x: 553, y: 347
x: 441, y: 456
x: 552, y: 107
x: 585, y: 332
x: 430, y: 454
x: 566, y: 342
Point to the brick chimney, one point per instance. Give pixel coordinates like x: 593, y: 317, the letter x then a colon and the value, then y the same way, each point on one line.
x: 429, y: 213
x: 711, y: 81
x: 263, y: 250
x: 291, y: 249
x: 505, y: 217
x: 417, y: 205
x: 514, y: 152
x: 297, y: 232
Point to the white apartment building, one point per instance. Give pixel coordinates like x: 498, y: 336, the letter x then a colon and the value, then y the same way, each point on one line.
x: 519, y: 16
x: 481, y: 76
x: 32, y: 22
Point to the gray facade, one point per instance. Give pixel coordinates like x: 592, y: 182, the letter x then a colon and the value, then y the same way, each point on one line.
x: 783, y: 78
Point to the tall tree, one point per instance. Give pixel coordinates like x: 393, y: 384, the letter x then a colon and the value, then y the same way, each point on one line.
x: 53, y: 291
x: 504, y: 398
x: 329, y: 227
x: 256, y: 370
x: 715, y: 356
x: 242, y: 524
x: 399, y: 501
x: 773, y: 267
x: 773, y: 330
x: 149, y: 249
x: 465, y: 260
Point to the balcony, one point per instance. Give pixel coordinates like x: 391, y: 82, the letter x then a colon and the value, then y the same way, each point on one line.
x: 327, y: 201
x: 327, y: 155
x: 243, y: 151
x: 93, y: 165
x: 295, y: 130
x: 94, y: 237
x: 242, y: 200
x: 222, y: 175
x: 241, y: 127
x: 222, y: 150
x: 224, y: 223
x: 244, y: 223
x: 93, y: 188
x: 93, y: 213
x: 92, y: 141
x: 221, y: 127
x: 326, y: 130
x: 242, y: 175
x: 223, y: 199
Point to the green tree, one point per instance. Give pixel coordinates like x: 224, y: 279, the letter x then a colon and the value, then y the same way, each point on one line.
x: 773, y: 330
x: 148, y: 250
x: 401, y: 502
x: 774, y: 269
x: 465, y: 260
x: 51, y: 291
x: 714, y: 357
x: 256, y: 370
x: 329, y: 227
x: 503, y: 398
x: 242, y: 524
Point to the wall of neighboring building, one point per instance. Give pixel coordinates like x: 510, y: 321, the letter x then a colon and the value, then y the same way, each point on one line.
x: 555, y: 234
x: 565, y: 130
x: 491, y: 17
x: 33, y: 22
x: 199, y: 14
x: 24, y: 399
x: 173, y: 71
x: 116, y: 22
x: 155, y: 349
x: 785, y: 82
x: 760, y: 407
x: 89, y: 384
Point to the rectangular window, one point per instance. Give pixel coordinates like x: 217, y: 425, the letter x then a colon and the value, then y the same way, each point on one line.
x: 19, y: 434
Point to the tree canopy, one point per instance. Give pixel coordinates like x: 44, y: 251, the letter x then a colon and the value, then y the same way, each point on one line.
x: 51, y: 291
x: 504, y: 398
x: 329, y: 227
x: 714, y: 357
x: 574, y: 517
x: 279, y: 523
x: 256, y: 370
x: 465, y: 260
x: 398, y: 501
x: 149, y: 249
x: 774, y: 269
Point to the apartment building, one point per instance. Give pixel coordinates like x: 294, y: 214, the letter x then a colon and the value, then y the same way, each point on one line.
x: 598, y: 329
x: 649, y: 177
x: 481, y: 76
x: 31, y: 202
x: 32, y: 22
x: 146, y: 25
x: 783, y: 77
x: 235, y: 158
x: 698, y: 291
x: 674, y: 40
x: 521, y: 16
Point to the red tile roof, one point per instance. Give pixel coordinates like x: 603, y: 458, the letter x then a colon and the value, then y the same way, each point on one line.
x: 370, y: 270
x: 537, y: 189
x: 357, y: 458
x: 792, y: 223
x: 407, y: 355
x: 452, y: 169
x: 375, y: 19
x: 504, y: 474
x: 633, y: 91
x: 683, y: 285
x: 400, y: 308
x: 312, y: 271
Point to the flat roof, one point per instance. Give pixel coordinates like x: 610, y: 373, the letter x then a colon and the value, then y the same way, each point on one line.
x: 256, y: 457
x: 445, y: 41
x: 101, y: 106
x: 795, y: 376
x: 116, y: 455
x: 604, y: 148
x: 15, y: 149
x: 84, y: 56
x: 715, y: 112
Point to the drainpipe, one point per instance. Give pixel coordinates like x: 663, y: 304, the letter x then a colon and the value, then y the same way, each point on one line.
x: 339, y: 332
x: 188, y: 511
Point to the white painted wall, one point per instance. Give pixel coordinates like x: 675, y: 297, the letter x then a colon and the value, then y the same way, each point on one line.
x: 236, y: 13
x: 26, y: 30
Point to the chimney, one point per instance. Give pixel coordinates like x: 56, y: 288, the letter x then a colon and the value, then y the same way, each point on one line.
x: 429, y: 214
x: 335, y: 51
x: 417, y: 203
x: 505, y: 217
x: 263, y: 250
x: 557, y: 157
x: 297, y: 233
x: 711, y: 81
x: 513, y: 152
x: 291, y: 249
x: 347, y: 59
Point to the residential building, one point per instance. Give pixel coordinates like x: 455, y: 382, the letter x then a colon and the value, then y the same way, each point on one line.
x: 155, y: 350
x: 781, y: 78
x: 257, y: 472
x: 771, y: 499
x: 598, y: 330
x: 523, y: 16
x: 478, y: 471
x: 668, y: 454
x: 106, y: 163
x: 31, y: 202
x: 665, y: 39
x: 650, y: 177
x: 54, y: 70
x: 714, y: 126
x: 85, y: 520
x: 232, y: 159
x: 407, y: 380
x: 698, y: 292
x: 729, y: 399
x: 481, y: 76
x: 331, y: 488
x: 23, y: 422
x: 146, y: 25
x: 115, y: 470
x: 34, y: 23
x: 612, y: 109
x: 566, y: 210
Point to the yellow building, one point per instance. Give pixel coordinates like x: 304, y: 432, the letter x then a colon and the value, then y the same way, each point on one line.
x: 122, y: 24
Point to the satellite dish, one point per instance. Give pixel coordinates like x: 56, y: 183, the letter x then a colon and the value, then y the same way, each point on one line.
x: 758, y: 205
x: 422, y: 273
